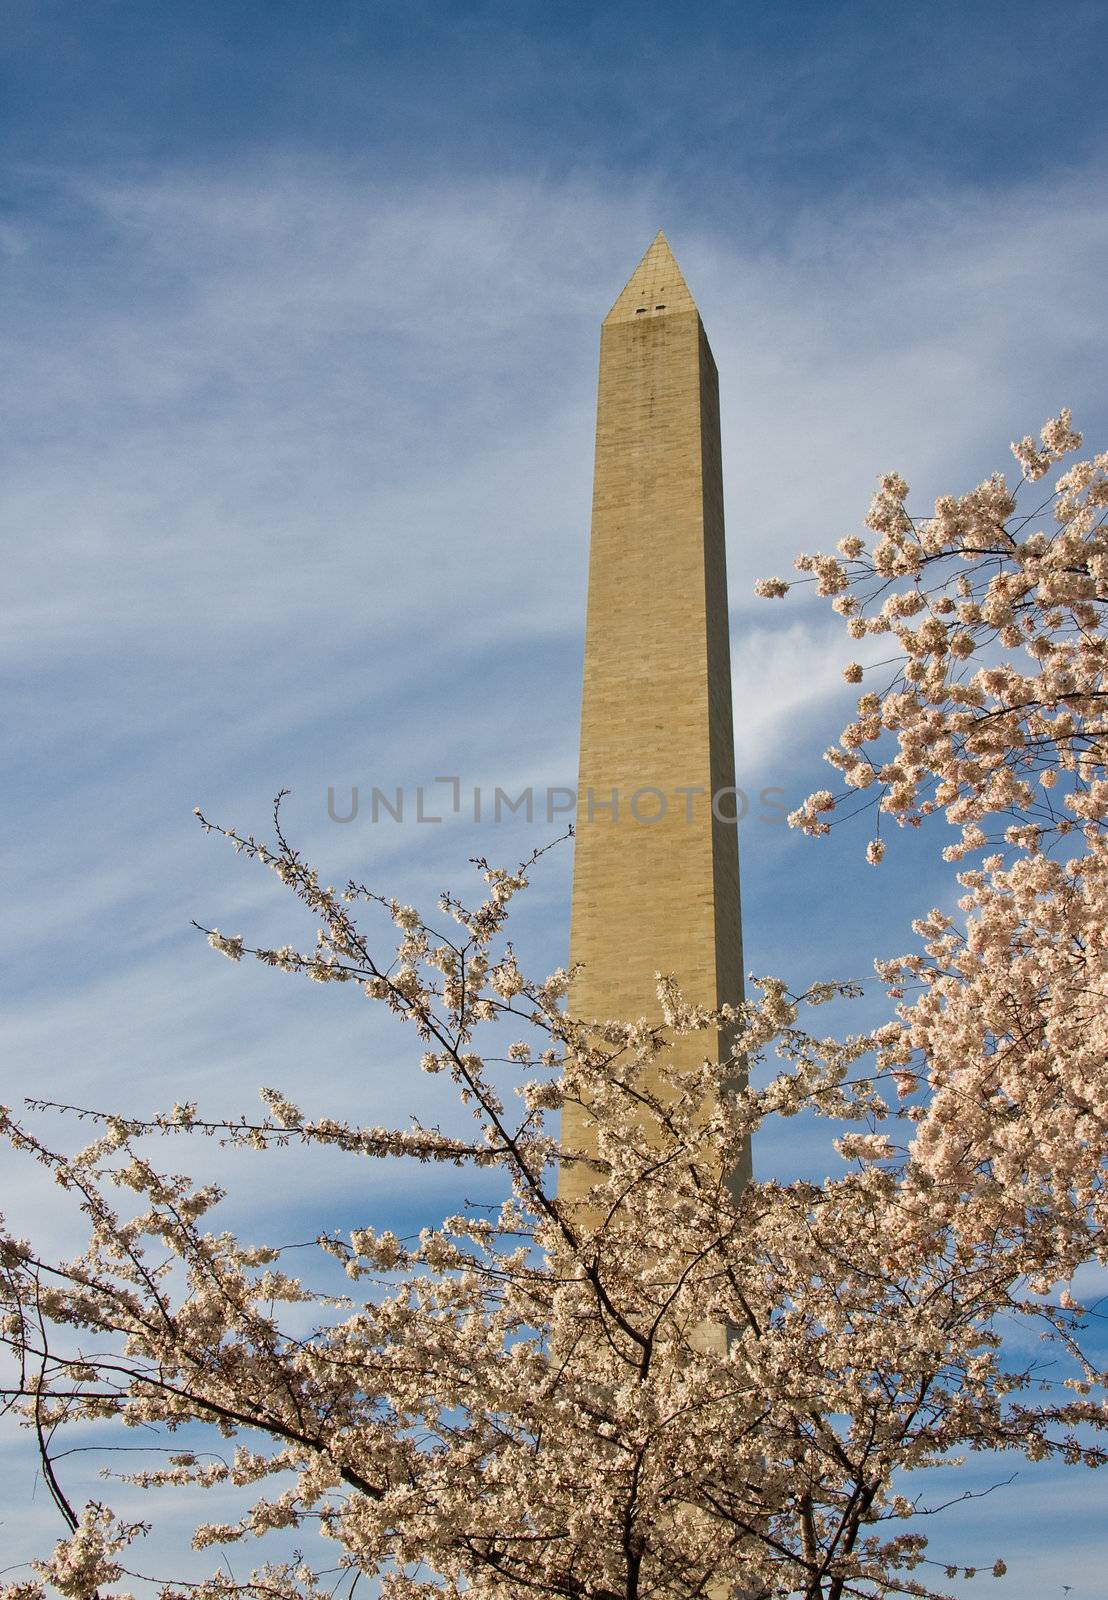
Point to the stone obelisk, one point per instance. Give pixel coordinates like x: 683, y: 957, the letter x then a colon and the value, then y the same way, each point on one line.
x: 656, y: 867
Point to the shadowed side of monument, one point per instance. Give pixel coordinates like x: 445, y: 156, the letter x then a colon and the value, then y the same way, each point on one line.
x: 656, y: 869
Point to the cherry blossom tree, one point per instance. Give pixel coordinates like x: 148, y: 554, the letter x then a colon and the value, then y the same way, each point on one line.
x: 673, y: 1389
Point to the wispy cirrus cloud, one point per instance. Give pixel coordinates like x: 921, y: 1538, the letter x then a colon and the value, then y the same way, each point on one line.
x: 298, y: 475
x: 299, y: 472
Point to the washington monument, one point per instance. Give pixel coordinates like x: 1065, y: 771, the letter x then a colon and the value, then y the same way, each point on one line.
x: 656, y: 870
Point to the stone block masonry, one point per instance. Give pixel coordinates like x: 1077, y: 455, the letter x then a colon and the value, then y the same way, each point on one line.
x: 656, y: 709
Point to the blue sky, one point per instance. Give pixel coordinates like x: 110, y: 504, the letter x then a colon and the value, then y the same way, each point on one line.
x: 300, y: 311
x: 788, y: 100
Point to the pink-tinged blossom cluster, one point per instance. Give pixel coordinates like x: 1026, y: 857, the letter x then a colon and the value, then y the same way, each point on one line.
x: 994, y: 608
x: 679, y: 1385
x: 996, y: 714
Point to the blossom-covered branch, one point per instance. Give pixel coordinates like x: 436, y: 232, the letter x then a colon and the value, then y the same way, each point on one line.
x: 670, y: 1388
